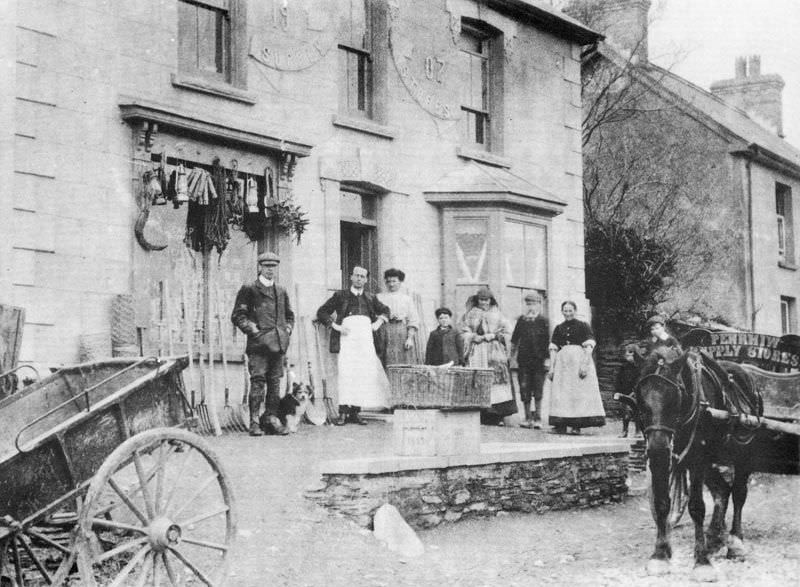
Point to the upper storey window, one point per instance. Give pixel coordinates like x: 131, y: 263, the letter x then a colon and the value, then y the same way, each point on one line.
x: 785, y: 226
x: 210, y: 40
x: 355, y: 61
x: 482, y: 85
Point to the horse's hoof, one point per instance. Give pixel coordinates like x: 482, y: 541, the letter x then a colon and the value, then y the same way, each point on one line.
x: 736, y: 550
x: 657, y: 567
x: 705, y: 574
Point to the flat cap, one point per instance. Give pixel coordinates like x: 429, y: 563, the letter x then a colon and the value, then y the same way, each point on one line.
x: 269, y: 258
x: 655, y: 320
x: 533, y: 297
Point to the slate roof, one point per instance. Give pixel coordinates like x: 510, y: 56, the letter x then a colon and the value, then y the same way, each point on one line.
x: 735, y: 121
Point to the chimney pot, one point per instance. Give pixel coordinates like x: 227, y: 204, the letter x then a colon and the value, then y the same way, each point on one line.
x: 754, y: 68
x: 741, y: 68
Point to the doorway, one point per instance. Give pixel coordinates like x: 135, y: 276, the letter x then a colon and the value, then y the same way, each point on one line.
x: 359, y: 249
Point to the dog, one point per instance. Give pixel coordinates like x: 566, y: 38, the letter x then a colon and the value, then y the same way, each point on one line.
x: 293, y: 406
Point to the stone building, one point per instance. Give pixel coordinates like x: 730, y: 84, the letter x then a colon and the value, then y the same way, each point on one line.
x: 736, y: 178
x: 441, y: 137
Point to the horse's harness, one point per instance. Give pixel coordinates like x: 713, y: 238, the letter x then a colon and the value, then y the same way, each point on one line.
x: 696, y: 396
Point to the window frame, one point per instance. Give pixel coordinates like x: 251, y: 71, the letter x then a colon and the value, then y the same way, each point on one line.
x: 233, y: 47
x: 788, y: 315
x: 365, y: 71
x: 784, y: 224
x: 490, y: 115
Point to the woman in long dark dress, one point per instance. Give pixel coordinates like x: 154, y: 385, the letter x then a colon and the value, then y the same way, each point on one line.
x: 486, y: 334
x: 575, y: 393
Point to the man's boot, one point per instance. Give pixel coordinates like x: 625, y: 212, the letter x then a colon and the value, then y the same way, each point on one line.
x: 277, y: 427
x: 537, y: 416
x: 355, y: 418
x: 255, y: 408
x: 342, y: 419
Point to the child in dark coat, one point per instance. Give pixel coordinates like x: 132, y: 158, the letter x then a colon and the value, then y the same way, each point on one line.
x: 627, y: 377
x: 444, y: 343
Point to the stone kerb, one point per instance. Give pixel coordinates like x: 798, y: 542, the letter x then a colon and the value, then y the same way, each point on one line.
x: 503, y: 477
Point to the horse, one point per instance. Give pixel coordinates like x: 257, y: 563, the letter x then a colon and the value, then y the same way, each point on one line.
x: 670, y: 401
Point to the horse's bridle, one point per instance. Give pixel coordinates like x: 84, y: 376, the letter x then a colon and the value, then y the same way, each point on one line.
x: 697, y: 397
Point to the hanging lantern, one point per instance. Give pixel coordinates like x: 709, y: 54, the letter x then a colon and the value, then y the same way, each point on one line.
x: 252, y: 196
x: 181, y: 185
x: 153, y: 191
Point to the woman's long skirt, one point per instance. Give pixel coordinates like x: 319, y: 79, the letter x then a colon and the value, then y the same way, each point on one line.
x: 396, y: 354
x: 492, y: 355
x: 362, y: 380
x: 574, y: 401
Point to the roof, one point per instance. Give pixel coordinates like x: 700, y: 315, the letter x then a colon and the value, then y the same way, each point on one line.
x: 757, y: 139
x: 476, y: 183
x: 544, y: 16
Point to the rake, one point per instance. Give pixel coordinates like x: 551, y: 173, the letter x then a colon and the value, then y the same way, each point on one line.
x: 231, y: 419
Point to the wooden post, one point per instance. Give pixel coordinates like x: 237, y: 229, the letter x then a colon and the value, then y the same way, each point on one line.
x: 208, y: 332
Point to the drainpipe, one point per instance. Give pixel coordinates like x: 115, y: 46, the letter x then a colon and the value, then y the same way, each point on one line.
x: 751, y: 244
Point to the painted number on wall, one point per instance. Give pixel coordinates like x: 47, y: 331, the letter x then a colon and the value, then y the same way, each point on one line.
x: 434, y: 69
x: 280, y: 14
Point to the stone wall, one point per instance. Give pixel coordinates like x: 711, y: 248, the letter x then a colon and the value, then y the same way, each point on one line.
x: 428, y: 497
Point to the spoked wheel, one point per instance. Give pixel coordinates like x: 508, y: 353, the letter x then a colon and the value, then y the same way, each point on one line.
x: 158, y: 512
x: 33, y: 555
x: 678, y: 495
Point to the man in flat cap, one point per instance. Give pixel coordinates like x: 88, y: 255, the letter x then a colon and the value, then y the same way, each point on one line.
x: 262, y: 311
x: 530, y: 341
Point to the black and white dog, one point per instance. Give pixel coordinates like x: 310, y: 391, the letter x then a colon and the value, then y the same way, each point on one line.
x: 293, y: 406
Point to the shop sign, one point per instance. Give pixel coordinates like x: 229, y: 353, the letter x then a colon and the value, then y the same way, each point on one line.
x: 769, y: 352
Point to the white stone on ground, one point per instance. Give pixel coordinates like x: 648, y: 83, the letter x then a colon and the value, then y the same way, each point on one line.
x: 392, y: 529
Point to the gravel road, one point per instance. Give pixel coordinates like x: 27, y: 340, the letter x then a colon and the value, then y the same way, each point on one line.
x: 286, y: 540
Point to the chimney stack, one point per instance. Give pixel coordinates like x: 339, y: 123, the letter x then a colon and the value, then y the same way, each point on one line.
x: 623, y: 22
x: 760, y: 95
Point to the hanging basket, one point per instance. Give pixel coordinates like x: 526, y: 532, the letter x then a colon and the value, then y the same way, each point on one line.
x: 424, y: 386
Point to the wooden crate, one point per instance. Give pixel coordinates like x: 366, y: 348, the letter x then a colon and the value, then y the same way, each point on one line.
x: 426, y: 433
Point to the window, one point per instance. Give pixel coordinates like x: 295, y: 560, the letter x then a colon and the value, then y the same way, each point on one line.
x: 524, y: 263
x: 212, y: 40
x: 355, y: 61
x: 480, y: 70
x: 785, y: 229
x: 788, y: 315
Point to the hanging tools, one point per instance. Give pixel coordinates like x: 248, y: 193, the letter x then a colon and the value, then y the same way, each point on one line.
x: 330, y: 408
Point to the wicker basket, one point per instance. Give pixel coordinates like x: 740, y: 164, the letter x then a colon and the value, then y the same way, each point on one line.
x: 423, y: 386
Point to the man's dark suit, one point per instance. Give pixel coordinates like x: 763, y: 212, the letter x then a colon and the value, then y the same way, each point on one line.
x: 264, y: 314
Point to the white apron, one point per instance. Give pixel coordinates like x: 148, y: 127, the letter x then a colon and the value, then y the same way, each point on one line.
x: 362, y: 381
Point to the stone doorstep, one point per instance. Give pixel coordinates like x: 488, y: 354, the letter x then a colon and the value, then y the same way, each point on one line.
x: 491, y: 452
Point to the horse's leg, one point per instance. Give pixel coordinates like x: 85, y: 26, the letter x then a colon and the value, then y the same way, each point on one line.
x: 703, y: 571
x: 741, y: 477
x: 720, y: 489
x: 659, y: 505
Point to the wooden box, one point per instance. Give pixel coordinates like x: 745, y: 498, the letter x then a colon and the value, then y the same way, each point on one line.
x: 426, y: 433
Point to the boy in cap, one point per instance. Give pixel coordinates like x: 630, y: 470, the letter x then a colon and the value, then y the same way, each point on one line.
x: 262, y: 312
x: 445, y: 344
x: 530, y: 340
x: 660, y: 336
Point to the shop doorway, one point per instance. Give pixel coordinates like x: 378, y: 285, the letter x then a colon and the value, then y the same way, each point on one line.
x: 359, y: 249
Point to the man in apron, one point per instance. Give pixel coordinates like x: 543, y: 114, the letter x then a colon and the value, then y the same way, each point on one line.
x: 362, y: 380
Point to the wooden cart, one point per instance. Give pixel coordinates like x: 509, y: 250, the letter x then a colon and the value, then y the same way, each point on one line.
x: 102, y: 484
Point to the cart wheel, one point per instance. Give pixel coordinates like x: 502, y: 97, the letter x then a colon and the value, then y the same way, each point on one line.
x: 33, y: 555
x: 678, y: 495
x: 159, y: 511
